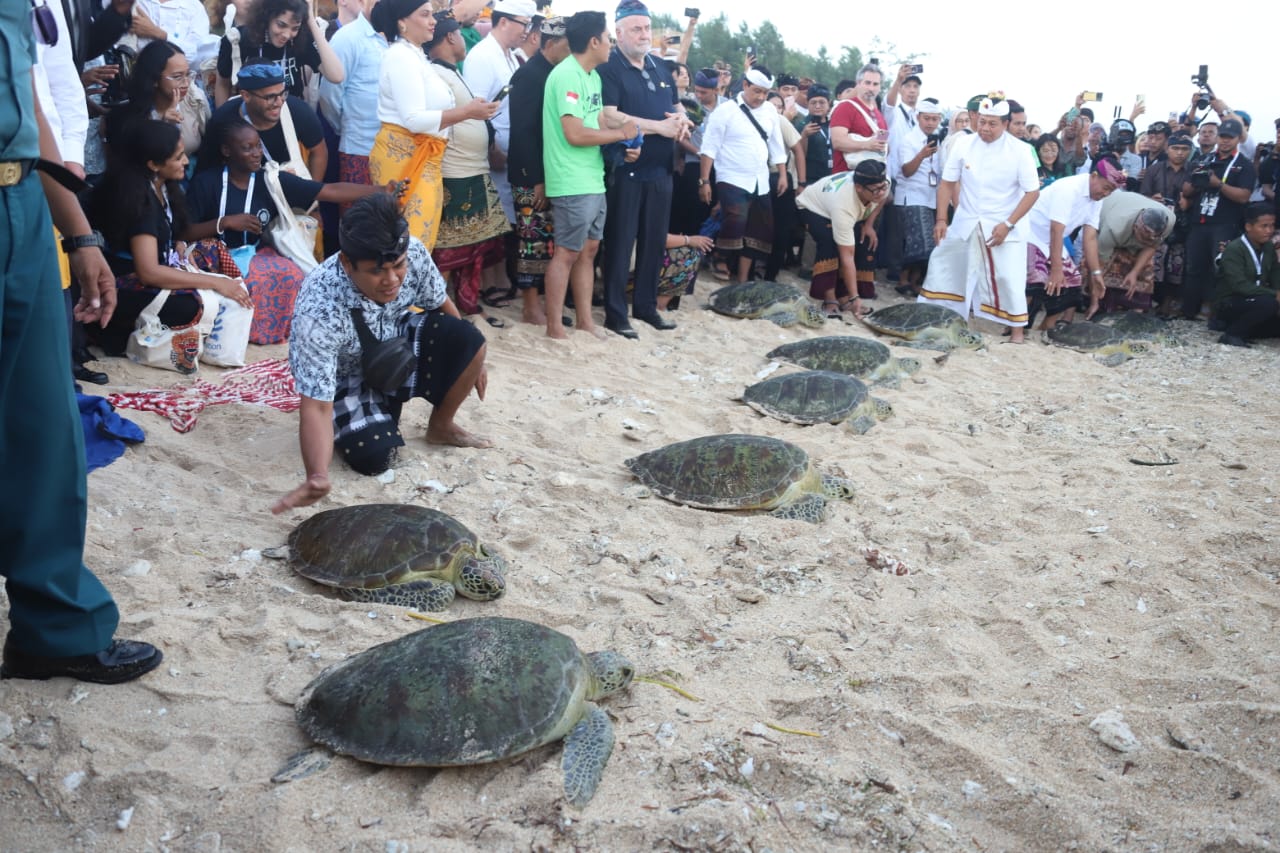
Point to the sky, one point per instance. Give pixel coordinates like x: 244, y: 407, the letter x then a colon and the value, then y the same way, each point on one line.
x: 1041, y: 60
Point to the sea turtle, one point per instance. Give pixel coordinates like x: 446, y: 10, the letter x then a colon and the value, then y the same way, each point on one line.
x: 1108, y: 346
x: 860, y: 357
x: 470, y: 692
x: 743, y: 472
x: 924, y: 326
x: 817, y: 397
x: 780, y: 303
x: 395, y: 554
x: 1135, y: 326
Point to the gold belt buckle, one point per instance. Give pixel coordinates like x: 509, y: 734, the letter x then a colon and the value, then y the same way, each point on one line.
x: 10, y: 173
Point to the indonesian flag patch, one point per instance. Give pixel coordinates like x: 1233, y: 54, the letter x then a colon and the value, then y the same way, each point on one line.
x: 571, y: 97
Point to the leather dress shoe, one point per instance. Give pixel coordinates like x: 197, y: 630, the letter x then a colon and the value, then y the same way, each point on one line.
x: 1234, y: 341
x: 657, y: 321
x: 84, y: 374
x: 123, y: 660
x: 625, y: 330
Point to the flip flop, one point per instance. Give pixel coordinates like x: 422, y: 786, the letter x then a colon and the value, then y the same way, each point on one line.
x: 721, y: 272
x: 832, y: 315
x: 497, y: 297
x: 496, y: 322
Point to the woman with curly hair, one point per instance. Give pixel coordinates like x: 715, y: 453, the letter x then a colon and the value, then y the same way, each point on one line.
x: 288, y: 33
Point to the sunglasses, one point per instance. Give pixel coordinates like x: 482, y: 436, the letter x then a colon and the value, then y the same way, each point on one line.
x: 46, y: 24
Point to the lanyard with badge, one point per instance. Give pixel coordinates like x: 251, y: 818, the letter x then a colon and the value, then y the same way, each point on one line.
x: 243, y: 254
x: 1209, y: 200
x: 1257, y: 260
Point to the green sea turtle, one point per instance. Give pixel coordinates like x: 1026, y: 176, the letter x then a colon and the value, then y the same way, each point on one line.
x: 742, y: 472
x: 817, y: 397
x: 860, y: 357
x: 470, y: 692
x: 402, y: 554
x: 1135, y: 326
x: 924, y: 326
x: 1107, y: 345
x: 780, y: 303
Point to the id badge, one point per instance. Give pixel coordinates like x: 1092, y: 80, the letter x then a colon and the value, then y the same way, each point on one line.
x: 933, y: 179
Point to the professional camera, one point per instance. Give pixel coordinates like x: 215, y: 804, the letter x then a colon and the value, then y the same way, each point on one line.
x: 937, y: 137
x: 1201, y: 81
x: 1201, y: 176
x: 1119, y: 138
x: 117, y: 89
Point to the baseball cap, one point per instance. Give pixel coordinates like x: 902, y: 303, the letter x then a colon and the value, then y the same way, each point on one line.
x: 1232, y: 128
x: 1159, y: 127
x: 1180, y: 138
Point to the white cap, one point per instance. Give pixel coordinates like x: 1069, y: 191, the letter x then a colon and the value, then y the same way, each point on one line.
x: 516, y: 8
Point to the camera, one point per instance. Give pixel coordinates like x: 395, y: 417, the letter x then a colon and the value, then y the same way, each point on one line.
x: 117, y: 90
x: 1119, y: 138
x: 1201, y: 176
x: 937, y: 137
x: 1201, y: 81
x: 916, y: 69
x: 691, y: 12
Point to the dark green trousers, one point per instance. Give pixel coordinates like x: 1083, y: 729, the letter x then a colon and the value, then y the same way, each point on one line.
x: 56, y: 606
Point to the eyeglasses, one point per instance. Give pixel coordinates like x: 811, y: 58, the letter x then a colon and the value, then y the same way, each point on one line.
x: 274, y: 98
x: 181, y: 78
x: 46, y: 24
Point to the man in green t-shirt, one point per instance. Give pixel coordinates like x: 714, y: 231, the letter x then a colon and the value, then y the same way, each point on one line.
x: 574, y: 166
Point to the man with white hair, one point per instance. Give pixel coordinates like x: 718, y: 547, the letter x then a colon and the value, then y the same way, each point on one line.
x: 488, y: 69
x: 637, y: 86
x: 743, y: 142
x: 980, y: 263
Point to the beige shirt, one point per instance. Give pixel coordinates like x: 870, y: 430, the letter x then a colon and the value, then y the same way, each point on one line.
x: 834, y: 197
x: 467, y: 154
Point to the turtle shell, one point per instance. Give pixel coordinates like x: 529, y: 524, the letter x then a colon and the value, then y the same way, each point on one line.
x: 838, y: 353
x: 374, y: 545
x: 723, y: 471
x: 908, y: 319
x: 811, y: 397
x: 1133, y: 325
x: 751, y: 298
x: 1085, y: 335
x: 465, y: 692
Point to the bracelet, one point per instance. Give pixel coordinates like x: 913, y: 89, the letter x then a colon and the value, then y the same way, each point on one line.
x: 1008, y: 224
x: 1096, y: 272
x: 217, y: 226
x: 686, y: 239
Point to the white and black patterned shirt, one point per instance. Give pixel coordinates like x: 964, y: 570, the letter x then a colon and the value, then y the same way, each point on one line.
x: 324, y: 350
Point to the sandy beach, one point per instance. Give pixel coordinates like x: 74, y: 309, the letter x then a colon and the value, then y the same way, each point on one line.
x: 918, y: 673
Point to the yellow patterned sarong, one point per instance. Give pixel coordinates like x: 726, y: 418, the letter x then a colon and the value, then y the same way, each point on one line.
x: 399, y: 155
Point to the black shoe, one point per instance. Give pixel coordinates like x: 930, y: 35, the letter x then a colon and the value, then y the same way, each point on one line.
x: 123, y: 660
x: 625, y: 330
x: 1216, y: 325
x: 1234, y: 341
x: 84, y: 374
x: 657, y: 321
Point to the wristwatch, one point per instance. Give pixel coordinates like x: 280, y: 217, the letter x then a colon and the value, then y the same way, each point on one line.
x: 91, y: 240
x: 702, y: 182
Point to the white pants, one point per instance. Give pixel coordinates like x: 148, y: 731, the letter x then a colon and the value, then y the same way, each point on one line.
x: 966, y: 275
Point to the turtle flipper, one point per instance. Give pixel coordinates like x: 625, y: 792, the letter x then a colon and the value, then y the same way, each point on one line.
x: 811, y: 508
x: 586, y: 752
x: 861, y: 424
x: 784, y: 317
x: 1115, y: 359
x: 928, y: 342
x: 424, y: 594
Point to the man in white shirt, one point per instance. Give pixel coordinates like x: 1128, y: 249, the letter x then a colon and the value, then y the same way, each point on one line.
x: 743, y: 142
x: 488, y: 68
x: 916, y: 168
x: 981, y: 260
x: 184, y: 22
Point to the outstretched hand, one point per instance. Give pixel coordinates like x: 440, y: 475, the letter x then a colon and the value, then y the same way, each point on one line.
x: 313, y: 489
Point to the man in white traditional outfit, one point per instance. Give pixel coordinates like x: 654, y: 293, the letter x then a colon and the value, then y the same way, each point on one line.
x: 980, y: 263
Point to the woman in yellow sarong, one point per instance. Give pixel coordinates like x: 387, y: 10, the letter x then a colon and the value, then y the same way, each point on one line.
x: 416, y: 108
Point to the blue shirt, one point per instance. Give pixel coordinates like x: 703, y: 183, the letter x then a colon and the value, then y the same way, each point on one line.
x: 648, y: 93
x: 352, y: 105
x: 19, y: 132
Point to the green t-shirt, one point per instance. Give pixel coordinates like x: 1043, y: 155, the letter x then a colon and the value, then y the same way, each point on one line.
x: 570, y: 169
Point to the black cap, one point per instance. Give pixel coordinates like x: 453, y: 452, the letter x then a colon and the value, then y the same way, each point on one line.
x: 1232, y: 128
x: 1158, y: 127
x: 1180, y: 138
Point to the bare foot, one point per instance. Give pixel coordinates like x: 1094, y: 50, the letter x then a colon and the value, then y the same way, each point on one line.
x: 455, y: 436
x: 1016, y: 336
x: 533, y: 319
x: 555, y: 329
x: 595, y: 330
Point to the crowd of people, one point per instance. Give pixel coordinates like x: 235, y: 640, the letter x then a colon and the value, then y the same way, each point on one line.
x: 486, y: 155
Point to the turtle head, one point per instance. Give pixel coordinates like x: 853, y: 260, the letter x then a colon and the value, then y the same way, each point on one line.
x: 811, y: 316
x: 909, y: 365
x: 883, y: 409
x: 482, y: 576
x: 970, y: 339
x: 612, y: 672
x: 1139, y: 347
x: 837, y: 487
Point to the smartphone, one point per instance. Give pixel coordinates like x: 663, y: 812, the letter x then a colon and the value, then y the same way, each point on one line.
x: 1142, y: 99
x: 502, y: 93
x: 691, y: 12
x: 882, y: 135
x: 751, y: 50
x: 673, y: 39
x: 1092, y: 96
x: 916, y: 69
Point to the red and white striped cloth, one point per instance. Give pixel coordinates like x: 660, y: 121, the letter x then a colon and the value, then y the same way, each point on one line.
x: 263, y: 383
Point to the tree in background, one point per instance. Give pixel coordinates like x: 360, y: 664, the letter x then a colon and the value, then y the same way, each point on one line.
x: 714, y: 40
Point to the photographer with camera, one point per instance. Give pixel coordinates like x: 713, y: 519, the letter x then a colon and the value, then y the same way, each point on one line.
x: 1163, y: 183
x: 1216, y: 192
x: 916, y: 170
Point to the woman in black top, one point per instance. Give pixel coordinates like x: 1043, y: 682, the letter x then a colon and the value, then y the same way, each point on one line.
x: 140, y: 210
x: 286, y: 32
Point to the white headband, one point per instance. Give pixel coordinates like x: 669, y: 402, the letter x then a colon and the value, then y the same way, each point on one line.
x: 758, y: 78
x: 988, y: 107
x: 928, y: 108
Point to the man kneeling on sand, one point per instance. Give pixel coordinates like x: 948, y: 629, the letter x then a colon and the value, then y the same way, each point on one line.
x: 374, y: 327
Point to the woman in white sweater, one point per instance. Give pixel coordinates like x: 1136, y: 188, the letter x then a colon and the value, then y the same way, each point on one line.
x: 416, y: 109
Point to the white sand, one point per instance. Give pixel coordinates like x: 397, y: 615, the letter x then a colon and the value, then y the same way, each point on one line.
x: 1049, y: 580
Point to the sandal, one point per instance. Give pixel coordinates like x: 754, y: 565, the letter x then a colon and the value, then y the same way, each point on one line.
x: 835, y: 314
x: 496, y: 322
x: 720, y: 271
x: 498, y: 297
x: 846, y: 306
